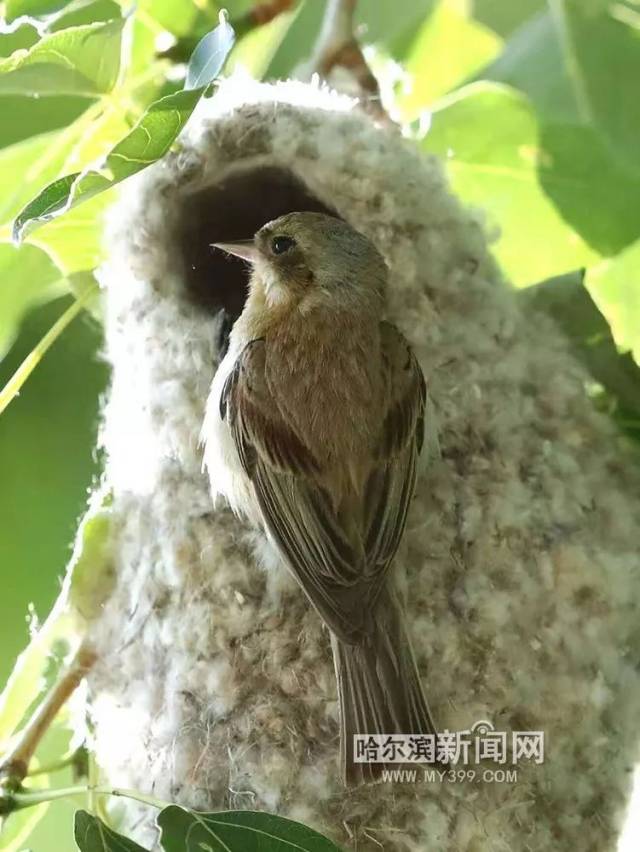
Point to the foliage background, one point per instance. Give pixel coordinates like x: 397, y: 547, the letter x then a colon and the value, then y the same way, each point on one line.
x: 534, y: 105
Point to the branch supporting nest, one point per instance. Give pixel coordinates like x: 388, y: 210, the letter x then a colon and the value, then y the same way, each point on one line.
x: 15, y: 765
x: 337, y: 48
x: 261, y: 14
x: 264, y: 13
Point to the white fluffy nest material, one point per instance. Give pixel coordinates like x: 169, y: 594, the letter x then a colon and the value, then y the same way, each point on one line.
x: 215, y: 687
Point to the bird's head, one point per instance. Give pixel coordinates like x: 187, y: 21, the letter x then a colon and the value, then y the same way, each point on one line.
x: 310, y: 257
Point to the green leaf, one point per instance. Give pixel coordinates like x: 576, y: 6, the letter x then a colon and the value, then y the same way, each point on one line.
x: 74, y: 241
x: 37, y: 160
x: 153, y: 134
x: 448, y: 49
x: 568, y: 302
x: 23, y: 687
x: 533, y: 61
x: 209, y: 56
x: 85, y: 12
x: 505, y: 16
x: 178, y: 17
x: 255, y: 51
x: 51, y: 469
x: 66, y: 62
x: 32, y: 8
x: 92, y: 835
x: 21, y: 38
x: 150, y: 139
x: 27, y: 277
x: 51, y: 201
x: 580, y: 63
x: 488, y: 135
x: 392, y: 25
x: 91, y: 574
x: 615, y: 286
x: 294, y: 48
x: 603, y: 56
x: 33, y: 116
x: 592, y: 192
x: 236, y: 831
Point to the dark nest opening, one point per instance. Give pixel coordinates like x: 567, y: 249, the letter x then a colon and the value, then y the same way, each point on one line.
x: 233, y: 209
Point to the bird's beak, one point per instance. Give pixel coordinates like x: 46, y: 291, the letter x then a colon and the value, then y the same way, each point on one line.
x: 244, y: 249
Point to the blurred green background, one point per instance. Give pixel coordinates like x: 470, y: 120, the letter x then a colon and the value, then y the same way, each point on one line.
x: 533, y: 104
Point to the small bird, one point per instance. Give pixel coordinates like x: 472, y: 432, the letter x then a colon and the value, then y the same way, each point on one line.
x: 313, y: 426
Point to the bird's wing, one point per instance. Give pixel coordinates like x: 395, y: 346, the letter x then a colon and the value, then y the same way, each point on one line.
x: 297, y: 511
x: 391, y: 484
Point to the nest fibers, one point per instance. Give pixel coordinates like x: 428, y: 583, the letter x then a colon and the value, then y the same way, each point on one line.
x: 215, y: 686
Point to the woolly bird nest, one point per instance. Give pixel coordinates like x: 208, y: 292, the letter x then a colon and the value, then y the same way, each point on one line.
x: 520, y: 551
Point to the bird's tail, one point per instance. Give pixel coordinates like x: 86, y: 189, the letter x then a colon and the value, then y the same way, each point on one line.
x: 378, y: 688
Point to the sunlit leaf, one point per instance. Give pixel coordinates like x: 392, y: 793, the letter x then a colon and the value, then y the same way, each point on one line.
x: 209, y: 56
x: 91, y: 574
x: 143, y: 49
x: 92, y: 835
x: 32, y: 8
x: 579, y: 62
x: 590, y: 189
x: 615, y: 286
x: 85, y: 12
x: 179, y: 17
x: 47, y: 439
x: 50, y: 202
x: 27, y: 276
x: 489, y: 138
x: 35, y: 161
x: 448, y: 49
x: 603, y: 57
x: 505, y: 16
x: 23, y: 686
x: 236, y: 831
x: 568, y: 302
x: 533, y: 62
x: 255, y: 51
x: 392, y: 25
x: 294, y: 48
x: 74, y: 241
x: 32, y: 116
x: 65, y: 62
x: 21, y: 38
x: 89, y: 142
x: 149, y: 140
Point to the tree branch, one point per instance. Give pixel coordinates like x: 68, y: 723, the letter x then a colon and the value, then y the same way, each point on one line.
x: 261, y: 14
x: 338, y: 48
x: 15, y: 764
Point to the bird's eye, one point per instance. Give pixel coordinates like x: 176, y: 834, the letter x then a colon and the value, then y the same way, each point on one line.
x: 279, y: 245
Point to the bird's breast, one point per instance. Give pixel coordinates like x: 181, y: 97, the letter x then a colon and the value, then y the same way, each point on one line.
x: 326, y: 375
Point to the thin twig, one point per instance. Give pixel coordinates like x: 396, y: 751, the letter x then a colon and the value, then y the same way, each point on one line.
x: 76, y: 759
x: 15, y: 764
x: 261, y: 14
x: 17, y: 380
x: 27, y: 799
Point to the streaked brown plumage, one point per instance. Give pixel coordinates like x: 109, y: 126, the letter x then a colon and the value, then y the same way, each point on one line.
x: 313, y: 428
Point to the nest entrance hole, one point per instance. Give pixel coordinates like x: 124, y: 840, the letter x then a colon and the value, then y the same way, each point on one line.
x: 233, y: 209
